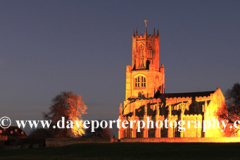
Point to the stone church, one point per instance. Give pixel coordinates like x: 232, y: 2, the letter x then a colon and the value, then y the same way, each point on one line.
x: 146, y: 97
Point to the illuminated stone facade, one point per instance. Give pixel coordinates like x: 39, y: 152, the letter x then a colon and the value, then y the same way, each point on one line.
x: 146, y: 97
x: 144, y: 77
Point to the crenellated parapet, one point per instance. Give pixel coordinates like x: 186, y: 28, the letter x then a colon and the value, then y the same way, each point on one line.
x: 136, y: 36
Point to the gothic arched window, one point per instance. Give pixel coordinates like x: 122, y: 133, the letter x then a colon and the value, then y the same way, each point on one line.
x: 140, y: 82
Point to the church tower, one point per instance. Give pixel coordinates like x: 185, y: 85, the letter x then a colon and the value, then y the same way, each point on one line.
x: 144, y: 77
x: 146, y: 99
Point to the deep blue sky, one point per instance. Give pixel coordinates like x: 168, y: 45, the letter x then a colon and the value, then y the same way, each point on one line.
x: 84, y: 46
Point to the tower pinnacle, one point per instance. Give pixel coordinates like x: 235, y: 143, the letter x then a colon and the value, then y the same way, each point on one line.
x: 145, y: 21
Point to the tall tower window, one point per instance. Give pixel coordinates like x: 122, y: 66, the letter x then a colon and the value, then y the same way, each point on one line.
x: 141, y: 56
x: 140, y: 82
x: 150, y: 54
x: 134, y: 61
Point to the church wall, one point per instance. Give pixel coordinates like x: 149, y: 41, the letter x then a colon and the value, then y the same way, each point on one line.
x: 194, y: 130
x: 209, y: 111
x: 154, y: 80
x: 217, y: 102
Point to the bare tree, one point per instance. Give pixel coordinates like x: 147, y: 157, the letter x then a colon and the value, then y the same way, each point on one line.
x: 231, y: 111
x: 233, y: 101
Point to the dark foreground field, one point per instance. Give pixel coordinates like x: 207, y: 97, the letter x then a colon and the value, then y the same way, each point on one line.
x: 129, y: 151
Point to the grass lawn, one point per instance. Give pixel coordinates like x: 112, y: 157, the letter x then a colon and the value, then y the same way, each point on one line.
x: 129, y: 151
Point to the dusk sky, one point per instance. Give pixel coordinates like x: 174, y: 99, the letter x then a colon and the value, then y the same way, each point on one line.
x: 47, y: 47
